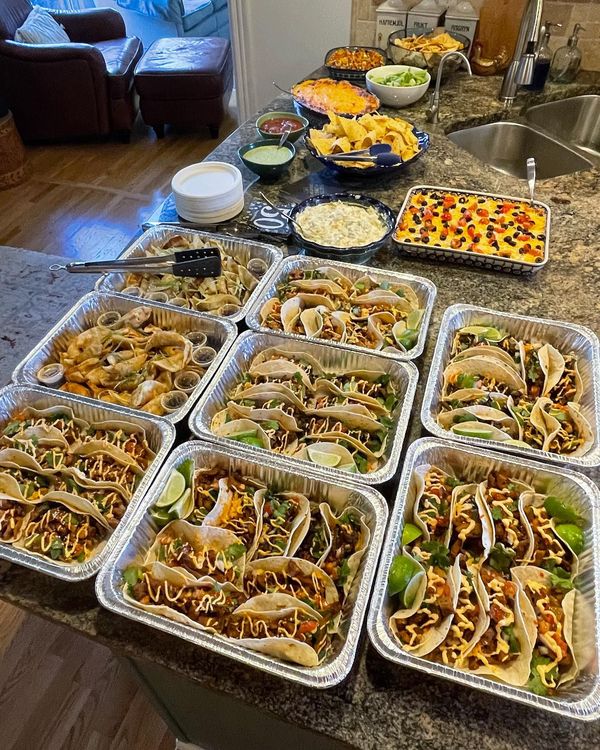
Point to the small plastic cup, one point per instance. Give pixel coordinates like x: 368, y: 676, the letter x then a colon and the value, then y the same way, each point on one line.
x: 51, y: 375
x: 229, y: 309
x: 132, y: 291
x: 257, y: 267
x: 197, y: 338
x: 172, y: 401
x: 203, y: 355
x: 157, y: 296
x: 109, y: 319
x: 186, y: 381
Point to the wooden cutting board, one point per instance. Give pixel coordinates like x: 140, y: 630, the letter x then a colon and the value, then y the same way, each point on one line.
x: 499, y: 22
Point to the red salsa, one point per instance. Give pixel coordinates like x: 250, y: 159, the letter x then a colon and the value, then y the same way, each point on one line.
x: 279, y: 125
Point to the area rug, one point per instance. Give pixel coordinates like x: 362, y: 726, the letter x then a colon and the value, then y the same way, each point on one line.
x: 32, y: 300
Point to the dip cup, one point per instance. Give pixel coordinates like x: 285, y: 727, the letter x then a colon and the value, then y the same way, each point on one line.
x: 269, y: 171
x: 294, y: 136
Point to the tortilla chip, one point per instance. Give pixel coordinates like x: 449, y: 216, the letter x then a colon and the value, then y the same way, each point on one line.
x: 353, y: 129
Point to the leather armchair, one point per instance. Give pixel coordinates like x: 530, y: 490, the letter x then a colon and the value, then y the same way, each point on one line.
x: 61, y: 91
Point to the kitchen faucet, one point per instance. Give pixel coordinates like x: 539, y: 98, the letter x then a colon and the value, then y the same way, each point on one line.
x: 434, y: 100
x: 520, y: 70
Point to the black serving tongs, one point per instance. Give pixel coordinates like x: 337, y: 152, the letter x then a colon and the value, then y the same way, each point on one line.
x: 200, y: 261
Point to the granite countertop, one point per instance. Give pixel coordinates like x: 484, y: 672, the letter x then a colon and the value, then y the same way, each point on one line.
x: 382, y: 705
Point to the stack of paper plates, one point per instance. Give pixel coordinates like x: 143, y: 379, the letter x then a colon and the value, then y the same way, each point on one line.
x: 208, y: 193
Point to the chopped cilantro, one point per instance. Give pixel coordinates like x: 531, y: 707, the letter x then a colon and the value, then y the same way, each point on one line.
x: 56, y: 549
x: 535, y: 683
x: 344, y: 572
x: 465, y: 380
x: 439, y: 554
x: 501, y: 558
x: 234, y: 551
x: 11, y: 429
x: 497, y: 513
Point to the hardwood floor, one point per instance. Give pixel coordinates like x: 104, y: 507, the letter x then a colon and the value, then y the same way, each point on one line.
x: 86, y: 200
x: 59, y: 691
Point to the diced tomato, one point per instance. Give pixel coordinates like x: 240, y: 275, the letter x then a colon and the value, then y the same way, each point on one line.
x: 308, y: 627
x: 455, y: 243
x: 446, y: 216
x: 482, y: 212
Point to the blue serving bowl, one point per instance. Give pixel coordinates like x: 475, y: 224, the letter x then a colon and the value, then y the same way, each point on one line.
x: 358, y: 254
x: 374, y: 171
x: 267, y: 170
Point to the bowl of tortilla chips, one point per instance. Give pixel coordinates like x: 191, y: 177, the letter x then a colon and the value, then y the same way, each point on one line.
x: 410, y: 47
x: 344, y: 134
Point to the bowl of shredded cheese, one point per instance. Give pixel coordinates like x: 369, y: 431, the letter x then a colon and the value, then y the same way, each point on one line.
x: 342, y: 226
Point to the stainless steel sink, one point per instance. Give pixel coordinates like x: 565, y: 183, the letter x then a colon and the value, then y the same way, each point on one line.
x: 575, y: 120
x: 505, y: 146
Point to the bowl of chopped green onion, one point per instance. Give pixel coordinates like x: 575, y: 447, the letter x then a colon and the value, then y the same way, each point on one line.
x: 398, y: 85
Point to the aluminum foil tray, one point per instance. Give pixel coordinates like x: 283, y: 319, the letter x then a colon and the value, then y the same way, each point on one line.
x: 238, y: 248
x: 220, y: 333
x: 249, y: 344
x: 564, y: 336
x: 582, y: 699
x: 159, y: 432
x: 140, y: 531
x: 490, y: 262
x: 424, y: 289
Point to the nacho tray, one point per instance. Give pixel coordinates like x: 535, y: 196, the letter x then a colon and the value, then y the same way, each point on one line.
x: 582, y: 699
x: 564, y: 336
x: 249, y: 344
x: 490, y: 262
x: 160, y: 435
x: 140, y: 530
x: 424, y: 289
x: 220, y: 333
x: 115, y: 282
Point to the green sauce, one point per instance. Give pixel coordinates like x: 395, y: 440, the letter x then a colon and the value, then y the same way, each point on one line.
x: 268, y: 155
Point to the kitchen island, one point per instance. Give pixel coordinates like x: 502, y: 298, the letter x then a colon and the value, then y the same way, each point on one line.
x: 380, y: 705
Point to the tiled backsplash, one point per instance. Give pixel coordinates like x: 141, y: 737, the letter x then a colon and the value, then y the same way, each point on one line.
x: 585, y: 12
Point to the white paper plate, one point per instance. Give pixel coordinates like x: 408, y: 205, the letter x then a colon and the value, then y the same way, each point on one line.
x: 210, y: 217
x: 207, y: 181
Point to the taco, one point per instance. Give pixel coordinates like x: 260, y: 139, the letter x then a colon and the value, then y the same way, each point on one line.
x: 282, y: 626
x: 201, y: 553
x: 205, y: 492
x: 317, y: 540
x: 494, y: 423
x: 568, y: 388
x: 470, y: 523
x: 547, y: 550
x: 424, y: 625
x: 567, y: 431
x: 64, y: 529
x: 237, y: 509
x: 469, y: 622
x: 298, y: 578
x: 284, y: 519
x: 169, y: 593
x: 484, y: 336
x: 528, y: 415
x: 553, y: 601
x: 433, y: 500
x: 349, y: 539
x: 504, y: 649
x: 488, y: 351
x: 483, y: 374
x: 509, y: 525
x: 14, y: 515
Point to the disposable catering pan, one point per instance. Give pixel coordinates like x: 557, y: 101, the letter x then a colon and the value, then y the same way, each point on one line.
x: 564, y: 336
x: 491, y: 262
x: 403, y: 374
x: 582, y: 699
x: 352, y: 74
x: 220, y: 335
x: 159, y: 433
x: 141, y: 530
x: 424, y: 289
x: 240, y: 249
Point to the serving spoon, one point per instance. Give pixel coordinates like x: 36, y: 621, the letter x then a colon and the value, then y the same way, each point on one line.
x: 531, y: 177
x: 379, y: 160
x: 283, y: 213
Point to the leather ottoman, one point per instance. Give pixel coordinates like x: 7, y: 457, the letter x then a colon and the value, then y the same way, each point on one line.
x: 185, y: 82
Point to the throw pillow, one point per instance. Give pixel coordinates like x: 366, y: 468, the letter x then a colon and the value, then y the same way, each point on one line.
x: 41, y: 28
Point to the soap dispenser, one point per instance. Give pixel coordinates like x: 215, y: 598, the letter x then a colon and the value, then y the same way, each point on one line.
x: 567, y: 60
x: 543, y: 58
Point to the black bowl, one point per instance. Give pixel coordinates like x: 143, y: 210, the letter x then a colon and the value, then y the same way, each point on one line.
x: 357, y: 254
x: 375, y: 170
x: 348, y: 74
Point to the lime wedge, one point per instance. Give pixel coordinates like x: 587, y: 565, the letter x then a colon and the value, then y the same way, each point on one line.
x: 173, y: 491
x: 402, y: 570
x: 186, y: 469
x: 484, y: 332
x: 161, y: 516
x: 241, y: 435
x: 413, y: 318
x: 323, y: 459
x: 410, y: 532
x: 183, y: 507
x: 473, y: 432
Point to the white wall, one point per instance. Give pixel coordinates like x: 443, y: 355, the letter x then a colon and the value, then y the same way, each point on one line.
x: 283, y: 41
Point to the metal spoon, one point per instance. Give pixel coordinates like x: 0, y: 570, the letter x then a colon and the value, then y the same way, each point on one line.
x: 283, y: 213
x: 531, y: 176
x: 284, y: 137
x: 284, y: 91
